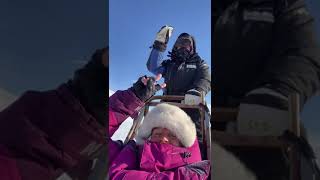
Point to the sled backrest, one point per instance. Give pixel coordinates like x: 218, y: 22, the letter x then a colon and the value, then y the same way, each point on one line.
x: 237, y: 140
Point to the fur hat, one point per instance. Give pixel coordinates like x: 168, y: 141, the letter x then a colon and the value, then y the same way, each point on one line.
x: 172, y: 118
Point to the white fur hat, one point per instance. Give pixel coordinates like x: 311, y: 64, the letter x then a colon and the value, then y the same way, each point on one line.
x: 172, y: 118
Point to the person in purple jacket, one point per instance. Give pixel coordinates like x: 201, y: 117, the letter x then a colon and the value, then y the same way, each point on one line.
x: 166, y: 146
x: 46, y: 134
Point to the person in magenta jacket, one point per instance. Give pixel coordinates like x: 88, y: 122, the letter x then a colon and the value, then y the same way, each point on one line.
x: 46, y: 134
x: 166, y: 146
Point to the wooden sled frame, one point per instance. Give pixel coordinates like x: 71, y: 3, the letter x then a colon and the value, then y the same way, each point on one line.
x: 236, y: 140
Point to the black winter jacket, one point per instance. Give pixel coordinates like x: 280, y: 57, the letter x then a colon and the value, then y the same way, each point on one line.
x: 180, y: 76
x: 263, y: 43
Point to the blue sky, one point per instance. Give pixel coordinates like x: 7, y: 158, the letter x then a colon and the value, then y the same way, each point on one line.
x: 133, y: 26
x: 43, y: 42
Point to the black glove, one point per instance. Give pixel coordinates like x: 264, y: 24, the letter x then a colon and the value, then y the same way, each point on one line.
x: 159, y: 46
x: 145, y: 92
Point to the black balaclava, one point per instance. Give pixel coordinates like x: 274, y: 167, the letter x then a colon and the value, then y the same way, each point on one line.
x: 182, y: 53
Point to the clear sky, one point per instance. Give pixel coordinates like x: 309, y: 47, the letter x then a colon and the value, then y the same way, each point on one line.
x: 133, y: 27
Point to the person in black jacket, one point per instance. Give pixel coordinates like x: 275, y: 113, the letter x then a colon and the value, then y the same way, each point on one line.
x: 185, y: 70
x: 263, y: 51
x: 263, y: 48
x: 185, y: 73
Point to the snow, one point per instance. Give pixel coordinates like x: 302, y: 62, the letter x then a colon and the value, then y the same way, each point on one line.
x: 123, y: 130
x: 209, y: 106
x: 110, y: 92
x: 6, y: 99
x: 125, y: 127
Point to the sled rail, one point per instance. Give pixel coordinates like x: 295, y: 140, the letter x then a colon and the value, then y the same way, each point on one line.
x: 167, y: 98
x: 177, y: 104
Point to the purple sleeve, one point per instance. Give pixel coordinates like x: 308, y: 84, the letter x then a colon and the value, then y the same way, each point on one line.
x: 51, y: 127
x: 8, y: 165
x: 122, y: 104
x: 114, y: 149
x: 126, y: 159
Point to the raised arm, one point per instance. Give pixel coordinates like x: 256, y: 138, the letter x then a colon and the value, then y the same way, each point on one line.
x: 123, y: 104
x: 154, y: 63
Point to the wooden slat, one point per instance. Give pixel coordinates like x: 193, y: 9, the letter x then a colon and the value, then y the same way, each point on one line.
x: 294, y: 110
x: 294, y: 158
x: 177, y: 104
x: 167, y: 97
x: 245, y: 140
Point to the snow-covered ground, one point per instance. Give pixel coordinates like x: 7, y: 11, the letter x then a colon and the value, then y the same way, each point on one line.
x: 124, y: 129
x: 6, y: 98
x: 110, y: 92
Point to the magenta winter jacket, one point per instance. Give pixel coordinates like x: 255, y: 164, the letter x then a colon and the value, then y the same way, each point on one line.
x: 152, y: 160
x: 43, y: 134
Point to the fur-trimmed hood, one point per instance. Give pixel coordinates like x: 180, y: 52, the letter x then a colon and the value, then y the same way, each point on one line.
x: 171, y: 117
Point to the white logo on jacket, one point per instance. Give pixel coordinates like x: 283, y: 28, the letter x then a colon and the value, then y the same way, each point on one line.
x: 265, y: 16
x: 191, y: 66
